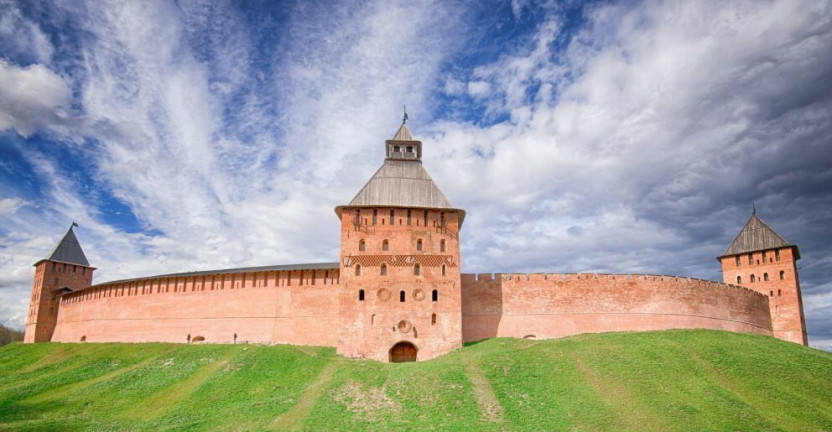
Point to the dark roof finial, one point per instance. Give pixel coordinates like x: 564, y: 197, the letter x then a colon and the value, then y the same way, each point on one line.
x: 753, y: 208
x: 404, y: 119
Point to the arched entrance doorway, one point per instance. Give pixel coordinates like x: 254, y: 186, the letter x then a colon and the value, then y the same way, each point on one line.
x: 403, y: 352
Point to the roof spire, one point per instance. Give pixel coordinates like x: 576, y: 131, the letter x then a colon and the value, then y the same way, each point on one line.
x: 753, y: 208
x: 404, y: 119
x: 68, y: 250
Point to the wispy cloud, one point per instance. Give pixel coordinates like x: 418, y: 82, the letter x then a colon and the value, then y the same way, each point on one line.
x: 625, y: 136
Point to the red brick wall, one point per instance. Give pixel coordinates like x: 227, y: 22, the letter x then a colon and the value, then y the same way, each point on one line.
x: 297, y: 307
x: 286, y: 307
x: 555, y: 305
x: 50, y: 277
x: 369, y: 328
x: 781, y: 289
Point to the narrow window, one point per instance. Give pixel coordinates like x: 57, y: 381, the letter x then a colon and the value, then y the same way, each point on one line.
x: 375, y: 217
x: 384, y: 269
x: 771, y: 293
x: 326, y: 277
x: 361, y: 295
x: 362, y: 245
x: 426, y: 218
x: 753, y: 279
x: 358, y: 269
x: 778, y: 293
x: 750, y: 259
x: 53, y: 266
x: 385, y: 245
x: 408, y: 218
x: 739, y: 279
x: 74, y: 268
x: 83, y: 270
x: 765, y: 277
x: 392, y: 217
x: 357, y: 220
x: 443, y: 269
x: 401, y: 296
x: 782, y: 275
x: 432, y: 319
x: 442, y: 219
x: 777, y: 255
x: 419, y: 244
x: 434, y: 296
x: 764, y: 256
x: 442, y: 245
x: 738, y: 260
x: 417, y: 269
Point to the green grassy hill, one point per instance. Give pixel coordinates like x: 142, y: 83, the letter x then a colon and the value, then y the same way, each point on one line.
x: 673, y: 380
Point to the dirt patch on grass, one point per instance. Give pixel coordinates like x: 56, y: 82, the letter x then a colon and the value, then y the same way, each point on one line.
x: 367, y: 404
x: 630, y: 414
x: 295, y: 417
x: 490, y: 408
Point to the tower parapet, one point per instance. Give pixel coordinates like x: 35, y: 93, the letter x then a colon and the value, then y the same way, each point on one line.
x: 63, y: 271
x: 761, y: 260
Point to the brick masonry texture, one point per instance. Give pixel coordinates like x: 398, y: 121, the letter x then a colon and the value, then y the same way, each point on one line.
x: 398, y: 290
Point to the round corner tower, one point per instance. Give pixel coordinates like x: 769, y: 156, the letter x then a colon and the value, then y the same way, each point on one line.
x: 399, y: 297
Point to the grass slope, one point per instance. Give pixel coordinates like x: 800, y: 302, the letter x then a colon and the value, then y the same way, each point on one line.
x: 673, y: 380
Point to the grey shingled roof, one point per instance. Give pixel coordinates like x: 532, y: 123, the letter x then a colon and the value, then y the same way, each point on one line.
x: 402, y: 184
x: 756, y: 235
x: 69, y: 251
x: 403, y: 134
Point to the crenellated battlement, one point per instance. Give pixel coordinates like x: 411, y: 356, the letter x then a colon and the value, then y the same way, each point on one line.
x: 231, y: 279
x: 561, y: 304
x: 473, y: 280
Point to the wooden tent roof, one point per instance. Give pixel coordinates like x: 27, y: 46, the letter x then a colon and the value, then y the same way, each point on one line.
x: 756, y: 235
x: 401, y: 183
x: 68, y: 250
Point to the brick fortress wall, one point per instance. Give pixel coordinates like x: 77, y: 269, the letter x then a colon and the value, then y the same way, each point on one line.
x: 558, y: 305
x: 286, y: 307
x: 296, y: 307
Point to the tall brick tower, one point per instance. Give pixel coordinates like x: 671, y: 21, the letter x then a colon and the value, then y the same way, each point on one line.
x: 66, y: 269
x: 761, y: 260
x: 399, y: 294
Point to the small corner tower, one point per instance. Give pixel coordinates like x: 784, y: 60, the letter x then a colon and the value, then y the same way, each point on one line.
x: 399, y: 296
x: 759, y: 259
x: 64, y: 270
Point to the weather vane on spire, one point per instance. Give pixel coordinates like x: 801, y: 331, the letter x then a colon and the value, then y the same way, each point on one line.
x: 753, y: 208
x: 404, y: 119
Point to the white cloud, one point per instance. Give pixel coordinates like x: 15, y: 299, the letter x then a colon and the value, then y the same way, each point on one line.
x: 478, y: 89
x: 23, y: 38
x: 637, y: 148
x: 9, y: 206
x: 31, y: 98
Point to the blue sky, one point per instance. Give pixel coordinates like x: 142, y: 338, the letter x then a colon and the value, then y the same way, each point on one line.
x: 601, y: 136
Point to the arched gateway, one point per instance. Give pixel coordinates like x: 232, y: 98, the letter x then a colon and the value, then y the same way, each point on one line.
x: 403, y: 352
